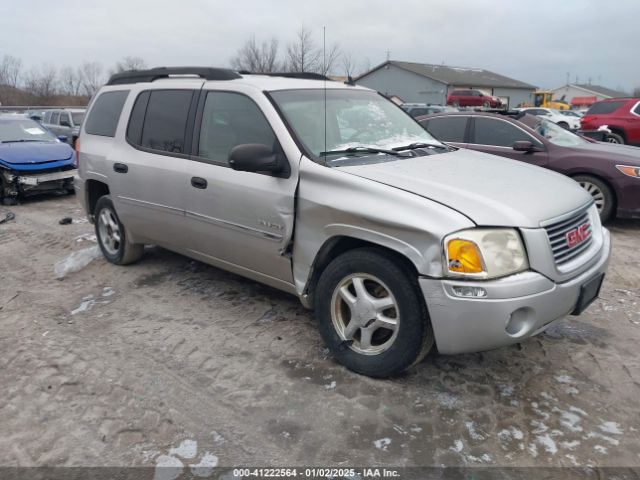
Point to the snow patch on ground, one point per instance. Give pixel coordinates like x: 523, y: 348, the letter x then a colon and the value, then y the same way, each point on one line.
x: 611, y: 427
x: 548, y: 443
x: 186, y: 449
x: 473, y: 432
x: 564, y: 379
x: 382, y: 443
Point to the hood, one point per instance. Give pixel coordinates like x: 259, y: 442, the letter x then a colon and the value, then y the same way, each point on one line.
x: 26, y: 153
x: 614, y: 152
x: 490, y: 190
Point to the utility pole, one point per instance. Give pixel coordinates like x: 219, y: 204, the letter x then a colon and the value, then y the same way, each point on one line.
x: 568, y: 76
x: 388, y: 55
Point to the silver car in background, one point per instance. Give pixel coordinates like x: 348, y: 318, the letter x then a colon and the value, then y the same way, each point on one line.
x: 64, y: 122
x: 332, y: 193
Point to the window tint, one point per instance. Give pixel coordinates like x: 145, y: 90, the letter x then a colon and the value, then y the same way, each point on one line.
x: 228, y: 120
x: 490, y: 131
x: 165, y: 122
x: 637, y: 109
x: 448, y: 129
x: 604, y: 107
x: 54, y: 118
x: 64, y: 116
x: 136, y: 120
x: 105, y: 113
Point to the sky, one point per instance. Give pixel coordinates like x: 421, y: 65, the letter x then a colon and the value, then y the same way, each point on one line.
x: 535, y: 41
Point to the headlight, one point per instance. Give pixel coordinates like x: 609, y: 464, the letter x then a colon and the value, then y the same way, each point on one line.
x: 628, y: 170
x: 484, y: 253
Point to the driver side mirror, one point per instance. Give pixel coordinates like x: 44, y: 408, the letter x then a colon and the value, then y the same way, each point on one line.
x: 257, y: 157
x: 525, y: 146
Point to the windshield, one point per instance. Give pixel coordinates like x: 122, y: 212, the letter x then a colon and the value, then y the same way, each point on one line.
x: 354, y: 118
x: 23, y: 130
x: 558, y: 135
x: 77, y: 117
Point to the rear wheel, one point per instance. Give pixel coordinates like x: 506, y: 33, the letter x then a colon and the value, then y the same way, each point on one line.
x: 614, y: 138
x: 371, y: 314
x: 112, y: 236
x: 486, y: 105
x: 601, y: 194
x: 564, y: 125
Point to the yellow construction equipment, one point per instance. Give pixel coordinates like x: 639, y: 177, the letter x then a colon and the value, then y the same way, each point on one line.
x: 544, y: 99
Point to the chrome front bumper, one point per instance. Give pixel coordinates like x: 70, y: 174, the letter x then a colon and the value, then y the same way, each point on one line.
x: 514, y: 308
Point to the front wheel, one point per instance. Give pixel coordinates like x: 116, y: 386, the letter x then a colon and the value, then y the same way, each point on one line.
x: 601, y: 194
x: 111, y: 235
x: 371, y: 314
x: 564, y: 125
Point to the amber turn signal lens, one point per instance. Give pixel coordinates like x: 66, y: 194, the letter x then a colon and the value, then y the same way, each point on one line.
x: 464, y: 256
x: 627, y: 170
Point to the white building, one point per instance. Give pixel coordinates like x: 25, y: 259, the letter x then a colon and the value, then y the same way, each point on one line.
x: 583, y: 95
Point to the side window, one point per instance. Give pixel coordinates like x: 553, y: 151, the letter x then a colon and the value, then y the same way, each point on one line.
x: 47, y: 117
x: 165, y: 121
x: 64, y: 117
x: 136, y: 120
x: 448, y: 129
x: 55, y: 116
x: 228, y: 120
x: 105, y: 113
x: 490, y: 131
x: 637, y: 109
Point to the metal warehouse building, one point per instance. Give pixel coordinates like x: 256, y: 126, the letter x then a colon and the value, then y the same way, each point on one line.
x: 424, y: 83
x: 583, y: 95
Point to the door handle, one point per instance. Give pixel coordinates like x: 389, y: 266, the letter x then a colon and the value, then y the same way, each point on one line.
x: 198, y: 182
x: 120, y: 168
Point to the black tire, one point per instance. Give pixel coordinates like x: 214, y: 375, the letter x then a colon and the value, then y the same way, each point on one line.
x: 564, y: 125
x: 414, y: 337
x: 486, y: 105
x: 608, y: 199
x: 122, y: 252
x: 455, y: 104
x: 614, y: 138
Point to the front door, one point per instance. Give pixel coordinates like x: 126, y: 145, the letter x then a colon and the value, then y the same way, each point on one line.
x: 238, y: 219
x: 497, y: 136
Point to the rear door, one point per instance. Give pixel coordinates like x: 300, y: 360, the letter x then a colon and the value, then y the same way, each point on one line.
x: 451, y: 129
x: 239, y: 219
x: 148, y: 169
x: 497, y: 136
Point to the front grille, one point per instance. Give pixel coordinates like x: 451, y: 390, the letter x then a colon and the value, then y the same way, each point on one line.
x: 558, y: 233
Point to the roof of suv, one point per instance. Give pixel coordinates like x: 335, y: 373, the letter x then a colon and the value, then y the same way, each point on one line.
x: 263, y: 81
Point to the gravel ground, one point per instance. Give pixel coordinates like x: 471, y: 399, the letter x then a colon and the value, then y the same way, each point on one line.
x: 170, y: 359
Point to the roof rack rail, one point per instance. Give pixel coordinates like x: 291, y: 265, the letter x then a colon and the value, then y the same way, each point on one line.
x: 302, y: 75
x: 143, y: 76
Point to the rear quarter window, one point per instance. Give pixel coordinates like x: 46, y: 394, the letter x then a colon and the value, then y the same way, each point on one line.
x: 105, y: 113
x: 604, y: 107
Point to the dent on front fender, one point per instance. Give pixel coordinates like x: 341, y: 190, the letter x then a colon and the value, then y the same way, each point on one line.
x: 333, y: 203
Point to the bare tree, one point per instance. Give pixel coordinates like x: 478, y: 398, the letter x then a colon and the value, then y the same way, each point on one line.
x: 257, y: 58
x: 10, y: 69
x: 92, y: 77
x: 70, y: 82
x: 330, y: 59
x: 349, y: 65
x: 129, y: 63
x: 302, y: 53
x: 42, y: 83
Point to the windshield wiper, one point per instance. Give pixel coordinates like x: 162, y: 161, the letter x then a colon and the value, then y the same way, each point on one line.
x: 415, y: 146
x: 352, y: 150
x: 21, y: 141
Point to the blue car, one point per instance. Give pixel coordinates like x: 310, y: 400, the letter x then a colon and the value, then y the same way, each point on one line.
x: 32, y: 159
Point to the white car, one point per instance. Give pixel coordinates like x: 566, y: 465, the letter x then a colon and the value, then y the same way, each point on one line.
x: 570, y: 123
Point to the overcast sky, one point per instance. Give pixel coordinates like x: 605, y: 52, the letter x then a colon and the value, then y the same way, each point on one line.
x: 536, y: 41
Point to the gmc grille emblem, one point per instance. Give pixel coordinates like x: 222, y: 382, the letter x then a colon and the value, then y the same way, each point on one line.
x: 578, y: 235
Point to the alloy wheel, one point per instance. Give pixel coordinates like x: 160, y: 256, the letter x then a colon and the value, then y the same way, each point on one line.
x: 109, y: 230
x: 596, y: 194
x: 365, y: 313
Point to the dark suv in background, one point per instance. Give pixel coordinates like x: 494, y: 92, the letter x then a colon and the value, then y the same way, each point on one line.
x: 610, y: 173
x: 473, y: 98
x: 620, y: 115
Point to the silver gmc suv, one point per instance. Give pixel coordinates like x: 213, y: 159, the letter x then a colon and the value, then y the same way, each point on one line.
x: 332, y: 193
